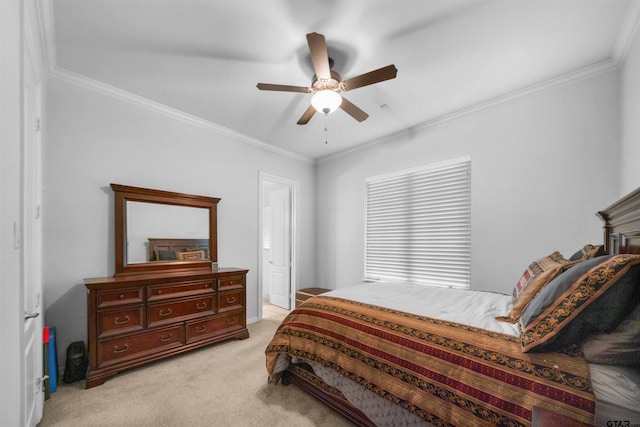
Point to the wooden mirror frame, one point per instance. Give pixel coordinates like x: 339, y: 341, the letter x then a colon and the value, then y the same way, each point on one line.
x: 124, y: 194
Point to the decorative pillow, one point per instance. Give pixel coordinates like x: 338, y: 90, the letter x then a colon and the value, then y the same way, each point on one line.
x: 166, y: 256
x: 190, y: 256
x: 533, y: 286
x: 592, y: 297
x: 588, y: 252
x: 535, y: 268
x: 620, y: 347
x: 206, y: 251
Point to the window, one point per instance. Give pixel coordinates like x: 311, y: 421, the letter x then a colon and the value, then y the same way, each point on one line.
x: 418, y: 225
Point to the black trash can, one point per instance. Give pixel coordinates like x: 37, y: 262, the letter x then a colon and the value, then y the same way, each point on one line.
x: 76, y: 365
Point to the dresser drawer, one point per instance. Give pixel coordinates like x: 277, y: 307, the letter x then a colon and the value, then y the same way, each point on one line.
x: 181, y: 309
x: 182, y: 289
x: 120, y: 321
x: 119, y: 297
x: 120, y: 349
x: 210, y: 327
x: 230, y: 300
x: 228, y: 283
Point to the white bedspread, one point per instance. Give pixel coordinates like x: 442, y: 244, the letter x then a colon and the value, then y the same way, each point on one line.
x: 474, y: 308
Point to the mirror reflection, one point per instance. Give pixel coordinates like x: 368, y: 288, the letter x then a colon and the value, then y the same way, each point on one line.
x: 151, y: 225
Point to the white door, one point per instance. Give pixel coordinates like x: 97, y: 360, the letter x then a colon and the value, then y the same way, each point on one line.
x: 280, y: 262
x: 31, y: 246
x: 31, y: 260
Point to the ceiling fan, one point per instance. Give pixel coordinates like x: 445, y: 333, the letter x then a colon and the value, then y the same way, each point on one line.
x: 327, y: 85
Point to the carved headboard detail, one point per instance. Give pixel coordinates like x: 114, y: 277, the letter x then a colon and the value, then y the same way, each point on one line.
x: 622, y: 225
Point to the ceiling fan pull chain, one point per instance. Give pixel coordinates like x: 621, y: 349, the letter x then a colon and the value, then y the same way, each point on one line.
x: 325, y: 130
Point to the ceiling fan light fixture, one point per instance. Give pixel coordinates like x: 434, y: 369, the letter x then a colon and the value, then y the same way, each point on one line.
x: 326, y: 101
x: 326, y: 84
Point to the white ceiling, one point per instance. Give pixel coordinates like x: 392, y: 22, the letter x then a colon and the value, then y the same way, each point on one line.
x: 204, y: 57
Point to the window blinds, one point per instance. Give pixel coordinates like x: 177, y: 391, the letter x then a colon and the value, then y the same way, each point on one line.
x: 418, y: 225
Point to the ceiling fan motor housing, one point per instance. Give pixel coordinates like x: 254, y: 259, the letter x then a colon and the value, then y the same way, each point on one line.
x: 332, y: 84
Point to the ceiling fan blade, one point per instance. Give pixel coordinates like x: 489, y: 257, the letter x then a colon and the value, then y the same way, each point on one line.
x: 319, y: 55
x: 381, y: 74
x: 353, y: 111
x: 283, y: 88
x: 307, y: 115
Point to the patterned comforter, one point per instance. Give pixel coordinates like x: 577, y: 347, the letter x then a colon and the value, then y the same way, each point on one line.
x: 443, y: 372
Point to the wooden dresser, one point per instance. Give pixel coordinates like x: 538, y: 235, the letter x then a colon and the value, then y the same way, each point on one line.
x: 136, y: 319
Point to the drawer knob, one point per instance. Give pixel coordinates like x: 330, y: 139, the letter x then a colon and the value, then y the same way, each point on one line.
x: 201, y: 306
x: 117, y: 320
x: 231, y: 321
x: 201, y: 328
x: 159, y: 291
x: 124, y: 348
x: 121, y: 296
x: 166, y: 338
x: 165, y: 313
x: 231, y: 300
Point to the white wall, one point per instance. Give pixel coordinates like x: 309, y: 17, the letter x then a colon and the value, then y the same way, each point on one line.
x: 93, y: 140
x: 630, y: 123
x: 542, y: 165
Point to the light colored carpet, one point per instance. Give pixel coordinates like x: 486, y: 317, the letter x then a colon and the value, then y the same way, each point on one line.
x: 221, y: 385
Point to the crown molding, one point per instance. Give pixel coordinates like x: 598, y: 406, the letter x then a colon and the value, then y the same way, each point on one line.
x: 140, y: 101
x: 47, y: 33
x: 623, y: 43
x: 563, y: 80
x: 621, y: 49
x: 627, y: 32
x: 47, y: 23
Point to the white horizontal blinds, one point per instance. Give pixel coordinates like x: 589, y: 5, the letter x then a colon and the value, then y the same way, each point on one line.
x: 418, y: 226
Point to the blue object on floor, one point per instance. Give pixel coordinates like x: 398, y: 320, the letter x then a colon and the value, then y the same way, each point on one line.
x: 53, y: 361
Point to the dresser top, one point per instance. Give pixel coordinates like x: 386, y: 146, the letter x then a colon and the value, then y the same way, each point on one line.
x: 176, y: 275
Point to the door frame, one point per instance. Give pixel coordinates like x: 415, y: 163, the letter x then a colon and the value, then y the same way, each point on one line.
x: 293, y: 187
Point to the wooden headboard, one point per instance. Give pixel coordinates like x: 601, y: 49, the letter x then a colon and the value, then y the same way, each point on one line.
x: 176, y: 245
x: 622, y: 225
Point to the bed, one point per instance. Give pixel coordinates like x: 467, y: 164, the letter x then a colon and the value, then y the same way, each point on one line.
x: 166, y: 249
x: 565, y: 343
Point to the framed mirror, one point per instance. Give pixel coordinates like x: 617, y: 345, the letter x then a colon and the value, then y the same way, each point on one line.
x: 159, y: 231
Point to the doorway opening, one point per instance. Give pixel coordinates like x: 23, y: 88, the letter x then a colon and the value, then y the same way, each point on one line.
x: 276, y: 258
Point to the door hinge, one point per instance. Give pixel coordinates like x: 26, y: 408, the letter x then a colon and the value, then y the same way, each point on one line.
x: 37, y: 124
